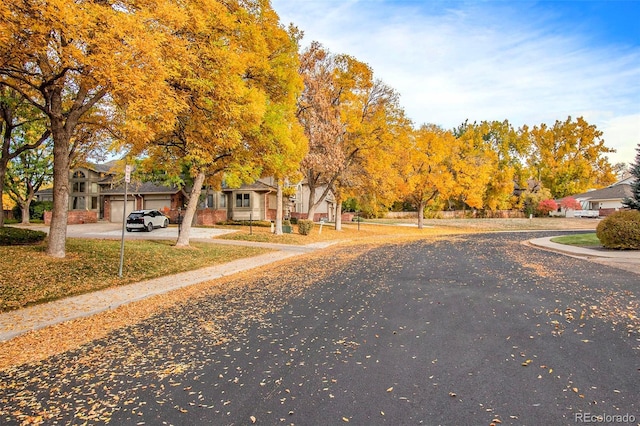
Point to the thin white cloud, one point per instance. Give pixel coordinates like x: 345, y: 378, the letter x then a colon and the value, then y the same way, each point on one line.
x: 482, y: 61
x: 625, y: 129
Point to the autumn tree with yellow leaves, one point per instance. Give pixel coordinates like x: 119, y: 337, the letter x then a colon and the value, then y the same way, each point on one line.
x: 348, y: 117
x: 218, y: 90
x: 426, y: 168
x: 239, y: 80
x: 88, y: 63
x: 319, y: 115
x: 569, y: 157
x: 489, y: 164
x: 373, y: 120
x: 472, y: 165
x: 22, y: 128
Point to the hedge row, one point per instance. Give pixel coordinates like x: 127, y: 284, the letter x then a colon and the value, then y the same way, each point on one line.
x: 10, y: 236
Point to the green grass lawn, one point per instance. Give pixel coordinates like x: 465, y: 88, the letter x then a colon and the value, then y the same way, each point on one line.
x: 583, y: 240
x: 28, y: 276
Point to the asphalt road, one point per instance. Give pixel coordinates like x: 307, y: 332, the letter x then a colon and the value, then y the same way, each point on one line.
x: 470, y: 330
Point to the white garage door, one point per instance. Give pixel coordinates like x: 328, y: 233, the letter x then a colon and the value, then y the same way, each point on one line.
x: 158, y: 203
x: 116, y: 209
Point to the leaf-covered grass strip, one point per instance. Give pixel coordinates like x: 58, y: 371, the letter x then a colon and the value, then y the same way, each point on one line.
x: 28, y: 276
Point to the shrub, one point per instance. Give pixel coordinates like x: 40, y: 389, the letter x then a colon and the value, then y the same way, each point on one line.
x: 36, y: 211
x: 621, y: 230
x: 570, y: 203
x: 38, y: 208
x: 17, y: 236
x: 531, y: 198
x: 305, y: 226
x: 294, y: 221
x: 546, y: 206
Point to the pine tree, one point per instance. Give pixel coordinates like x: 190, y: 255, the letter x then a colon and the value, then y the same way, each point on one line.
x: 634, y: 201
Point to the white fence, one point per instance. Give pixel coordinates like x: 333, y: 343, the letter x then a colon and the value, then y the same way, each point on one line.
x: 586, y: 213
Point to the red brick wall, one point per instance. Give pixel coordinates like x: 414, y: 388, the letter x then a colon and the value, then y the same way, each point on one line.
x: 606, y: 212
x: 271, y: 214
x: 107, y: 209
x: 75, y: 217
x: 348, y: 217
x: 207, y: 217
x: 210, y: 217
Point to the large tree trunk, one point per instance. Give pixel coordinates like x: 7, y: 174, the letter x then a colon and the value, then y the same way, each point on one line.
x: 279, y: 208
x: 25, y: 213
x: 312, y: 205
x: 26, y: 206
x: 421, y: 207
x: 2, y: 173
x: 192, y: 205
x: 58, y: 228
x: 338, y: 213
x: 4, y: 155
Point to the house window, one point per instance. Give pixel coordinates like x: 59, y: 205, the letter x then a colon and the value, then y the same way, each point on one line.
x: 209, y: 201
x: 242, y: 200
x: 78, y: 203
x: 79, y: 175
x: 223, y: 201
x: 79, y: 186
x: 94, y: 203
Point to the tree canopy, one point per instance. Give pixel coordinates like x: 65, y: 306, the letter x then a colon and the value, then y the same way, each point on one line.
x: 88, y: 65
x: 209, y: 91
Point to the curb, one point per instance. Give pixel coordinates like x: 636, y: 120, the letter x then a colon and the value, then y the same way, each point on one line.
x: 546, y: 243
x: 628, y: 261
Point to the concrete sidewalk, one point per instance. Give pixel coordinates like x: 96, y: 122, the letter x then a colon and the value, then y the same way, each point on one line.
x: 628, y: 260
x: 15, y: 323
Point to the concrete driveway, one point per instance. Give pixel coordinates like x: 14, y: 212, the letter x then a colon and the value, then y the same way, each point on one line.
x: 109, y: 230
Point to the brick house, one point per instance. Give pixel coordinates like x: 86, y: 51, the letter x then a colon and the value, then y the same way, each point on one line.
x: 97, y: 194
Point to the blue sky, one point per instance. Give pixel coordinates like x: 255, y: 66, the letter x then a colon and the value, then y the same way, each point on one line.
x: 525, y: 61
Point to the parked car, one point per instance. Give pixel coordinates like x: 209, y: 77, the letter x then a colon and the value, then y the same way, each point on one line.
x: 146, y: 220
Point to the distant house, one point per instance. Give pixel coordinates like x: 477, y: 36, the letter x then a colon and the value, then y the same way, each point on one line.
x: 604, y: 201
x: 140, y: 195
x: 300, y: 204
x: 258, y: 200
x: 97, y: 194
x: 86, y: 202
